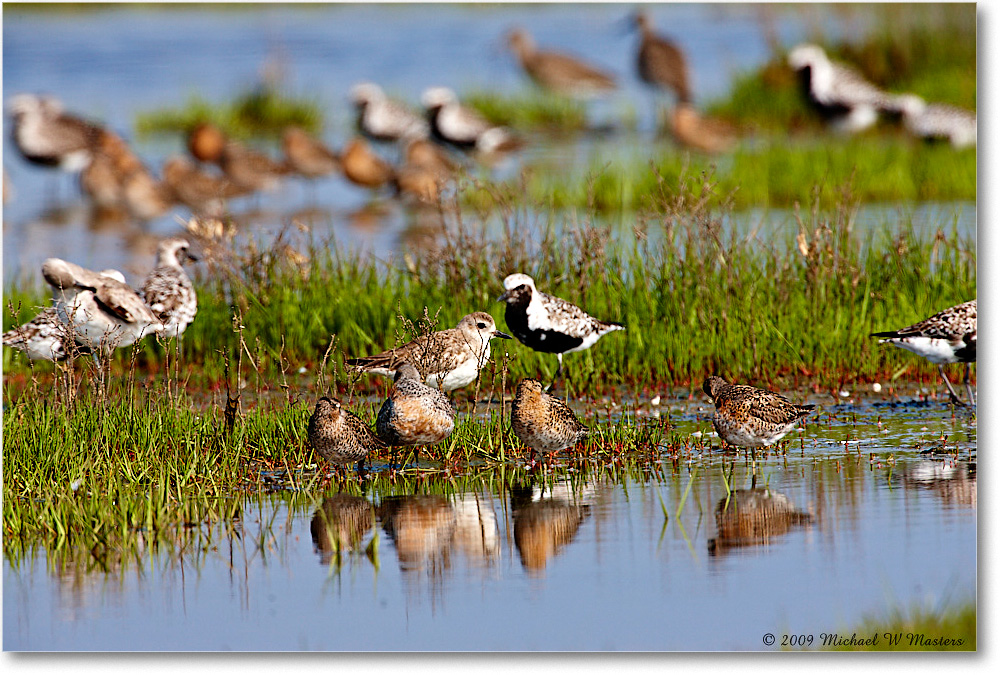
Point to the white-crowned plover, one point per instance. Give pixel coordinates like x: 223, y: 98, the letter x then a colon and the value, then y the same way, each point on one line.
x: 462, y: 127
x: 45, y: 337
x: 543, y: 422
x: 46, y: 135
x: 547, y: 323
x: 447, y: 359
x: 168, y: 290
x: 749, y: 417
x: 661, y: 63
x: 849, y: 101
x: 414, y: 414
x: 559, y: 73
x: 103, y: 311
x: 339, y: 436
x: 306, y: 155
x: 934, y: 121
x: 947, y: 337
x: 383, y: 119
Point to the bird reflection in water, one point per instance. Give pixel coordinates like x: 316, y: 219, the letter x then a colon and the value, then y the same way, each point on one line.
x: 340, y: 524
x: 954, y: 482
x: 753, y: 518
x: 421, y: 528
x: 546, y: 520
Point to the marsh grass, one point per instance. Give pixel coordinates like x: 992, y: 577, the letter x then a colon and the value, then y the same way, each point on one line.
x: 530, y: 110
x: 918, y: 629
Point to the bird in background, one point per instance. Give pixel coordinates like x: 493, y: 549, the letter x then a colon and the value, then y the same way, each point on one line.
x: 381, y: 118
x: 456, y: 124
x: 557, y: 72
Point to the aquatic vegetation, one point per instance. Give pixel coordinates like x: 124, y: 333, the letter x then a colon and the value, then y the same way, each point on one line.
x: 530, y: 111
x: 919, y: 629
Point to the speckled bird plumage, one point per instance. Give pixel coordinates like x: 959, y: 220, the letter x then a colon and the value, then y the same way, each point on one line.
x: 557, y: 72
x: 448, y: 359
x: 168, y: 290
x: 48, y: 136
x: 543, y: 422
x: 414, y: 414
x: 746, y: 416
x: 462, y: 127
x: 339, y: 436
x: 383, y: 119
x: 42, y: 338
x: 660, y: 62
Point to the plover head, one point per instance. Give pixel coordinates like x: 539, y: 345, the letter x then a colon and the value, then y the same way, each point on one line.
x: 516, y: 285
x: 806, y: 55
x: 910, y: 105
x: 481, y: 324
x: 437, y: 97
x: 364, y: 93
x: 173, y: 251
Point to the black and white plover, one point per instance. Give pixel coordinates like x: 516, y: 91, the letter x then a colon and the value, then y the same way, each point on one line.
x: 749, y: 417
x: 543, y: 422
x: 306, y: 155
x: 414, y: 414
x: 168, y: 290
x: 661, y: 63
x: 937, y: 121
x: 383, y: 119
x: 447, y: 359
x: 46, y: 135
x: 339, y: 436
x: 559, y: 73
x: 849, y: 101
x: 547, y: 323
x: 947, y: 337
x: 45, y: 337
x: 453, y: 123
x: 102, y: 310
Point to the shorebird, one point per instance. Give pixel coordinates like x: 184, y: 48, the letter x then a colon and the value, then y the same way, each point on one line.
x: 746, y: 416
x: 363, y: 167
x: 849, y: 101
x: 168, y: 290
x: 559, y: 73
x: 201, y: 192
x: 543, y: 422
x: 205, y: 142
x: 382, y: 119
x: 249, y: 169
x: 414, y: 414
x: 46, y: 135
x: 340, y: 524
x: 660, y: 63
x: 453, y: 123
x: 705, y: 134
x: 339, y: 436
x: 103, y: 311
x: 937, y: 120
x: 42, y: 338
x: 447, y: 359
x: 306, y: 155
x: 947, y: 337
x: 423, y: 154
x: 547, y: 323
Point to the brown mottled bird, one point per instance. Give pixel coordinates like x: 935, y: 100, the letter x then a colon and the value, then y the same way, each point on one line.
x: 556, y: 72
x: 543, y: 422
x: 746, y: 416
x: 339, y: 436
x: 705, y: 134
x: 660, y: 62
x: 340, y: 524
x: 168, y: 290
x: 307, y: 155
x: 201, y: 192
x: 414, y: 414
x: 246, y: 168
x: 363, y: 167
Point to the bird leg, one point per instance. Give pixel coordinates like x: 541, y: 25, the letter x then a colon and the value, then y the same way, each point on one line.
x: 557, y: 375
x: 951, y: 390
x: 968, y: 386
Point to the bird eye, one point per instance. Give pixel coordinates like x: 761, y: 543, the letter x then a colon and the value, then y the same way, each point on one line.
x: 480, y: 325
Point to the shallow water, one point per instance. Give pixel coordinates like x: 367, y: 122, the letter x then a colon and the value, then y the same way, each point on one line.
x: 807, y: 542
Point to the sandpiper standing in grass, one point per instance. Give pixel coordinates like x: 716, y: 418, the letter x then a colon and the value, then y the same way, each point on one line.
x: 543, y: 422
x: 383, y: 119
x: 559, y: 73
x: 414, y: 414
x: 935, y: 121
x: 42, y: 338
x: 339, y: 436
x: 46, y: 135
x: 447, y: 359
x: 849, y: 101
x: 462, y: 127
x: 947, y: 337
x: 168, y: 290
x: 547, y: 323
x: 749, y: 417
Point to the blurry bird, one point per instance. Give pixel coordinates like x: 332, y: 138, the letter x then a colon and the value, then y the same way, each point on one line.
x: 840, y: 94
x: 543, y: 422
x: 42, y: 338
x: 382, y: 119
x: 746, y: 416
x: 559, y: 73
x: 201, y: 192
x: 946, y: 337
x: 363, y: 167
x: 205, y: 142
x: 339, y: 436
x: 661, y: 64
x: 453, y: 123
x: 46, y: 135
x: 168, y: 290
x: 246, y: 168
x: 424, y: 154
x: 307, y: 155
x: 937, y: 121
x: 414, y: 414
x: 704, y: 134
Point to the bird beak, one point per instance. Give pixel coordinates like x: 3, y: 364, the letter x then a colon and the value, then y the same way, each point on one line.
x: 501, y: 335
x: 191, y: 256
x: 503, y: 298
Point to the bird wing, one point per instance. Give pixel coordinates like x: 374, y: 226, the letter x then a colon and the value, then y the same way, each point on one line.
x: 662, y: 62
x: 121, y: 301
x: 565, y: 317
x: 553, y: 67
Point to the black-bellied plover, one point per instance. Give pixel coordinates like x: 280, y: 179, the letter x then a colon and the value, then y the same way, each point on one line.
x: 383, y: 119
x: 46, y: 135
x: 749, y: 417
x: 543, y: 422
x: 559, y: 73
x: 201, y: 192
x: 363, y: 167
x: 845, y: 98
x: 306, y: 155
x: 45, y: 337
x: 168, y: 290
x: 661, y: 63
x: 339, y: 436
x: 933, y: 121
x: 414, y: 414
x: 103, y: 311
x: 462, y: 127
x: 547, y: 323
x: 947, y: 337
x: 447, y: 359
